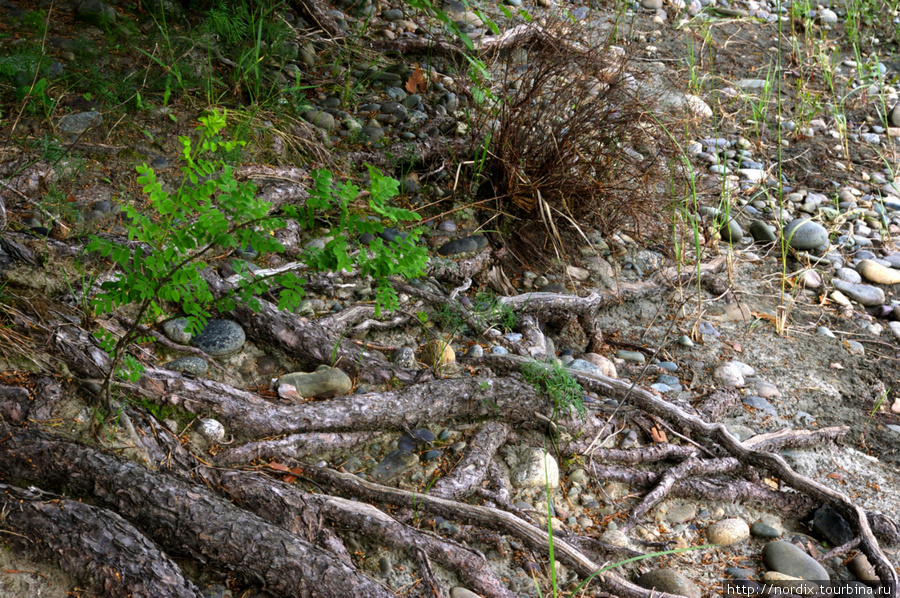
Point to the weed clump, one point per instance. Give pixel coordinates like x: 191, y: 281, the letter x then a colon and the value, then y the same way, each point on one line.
x: 571, y: 144
x: 554, y: 381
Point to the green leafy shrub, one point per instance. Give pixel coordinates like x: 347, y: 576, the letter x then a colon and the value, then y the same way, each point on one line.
x: 554, y: 381
x: 401, y: 256
x: 211, y: 211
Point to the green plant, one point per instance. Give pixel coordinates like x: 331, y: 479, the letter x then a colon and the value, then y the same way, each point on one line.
x: 554, y: 381
x: 878, y: 403
x: 37, y: 21
x: 201, y: 215
x: 250, y: 33
x: 401, y: 256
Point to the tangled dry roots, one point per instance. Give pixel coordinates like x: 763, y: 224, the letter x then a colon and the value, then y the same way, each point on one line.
x: 572, y: 145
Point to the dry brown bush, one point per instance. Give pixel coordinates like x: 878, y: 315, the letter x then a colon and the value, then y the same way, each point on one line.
x: 571, y: 144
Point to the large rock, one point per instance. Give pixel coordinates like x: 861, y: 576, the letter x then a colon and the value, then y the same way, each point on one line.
x: 190, y: 365
x: 175, y: 330
x: 670, y: 581
x: 728, y: 531
x: 863, y: 294
x: 536, y: 469
x: 96, y: 13
x: 320, y: 119
x: 220, y: 338
x: 464, y: 245
x: 875, y: 272
x: 732, y: 373
x: 803, y: 233
x: 786, y: 558
x: 762, y: 232
x: 395, y: 464
x: 73, y: 125
x: 324, y: 382
x: 831, y: 525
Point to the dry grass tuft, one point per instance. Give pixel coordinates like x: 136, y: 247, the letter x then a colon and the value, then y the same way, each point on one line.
x: 572, y: 146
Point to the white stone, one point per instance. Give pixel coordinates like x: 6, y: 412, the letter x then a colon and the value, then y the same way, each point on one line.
x: 211, y: 429
x: 537, y: 469
x: 754, y: 175
x: 697, y: 106
x: 728, y: 531
x: 579, y: 274
x: 731, y: 373
x: 895, y: 329
x: 828, y: 16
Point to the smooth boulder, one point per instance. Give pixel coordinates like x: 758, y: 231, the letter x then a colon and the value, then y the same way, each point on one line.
x: 875, y: 272
x: 324, y: 382
x: 786, y: 558
x: 863, y: 294
x: 803, y: 233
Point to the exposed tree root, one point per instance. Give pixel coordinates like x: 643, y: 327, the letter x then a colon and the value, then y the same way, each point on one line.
x: 185, y: 517
x: 295, y: 446
x: 688, y: 467
x: 471, y: 469
x: 287, y: 506
x: 489, y: 517
x: 91, y: 544
x: 456, y: 272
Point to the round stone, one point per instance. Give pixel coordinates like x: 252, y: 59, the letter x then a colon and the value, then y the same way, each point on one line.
x: 728, y: 531
x: 875, y: 272
x: 371, y: 133
x: 211, y: 429
x: 190, y: 365
x: 764, y: 530
x: 77, y: 124
x: 731, y: 373
x: 475, y: 351
x: 631, y: 356
x: 670, y: 581
x: 464, y: 245
x: 323, y: 120
x: 848, y: 275
x: 220, y: 337
x: 537, y: 469
x: 324, y: 382
x: 803, y: 233
x: 405, y: 358
x: 395, y: 464
x: 863, y: 294
x: 731, y: 231
x: 432, y: 455
x: 175, y: 331
x: 894, y: 116
x: 762, y: 232
x: 786, y: 558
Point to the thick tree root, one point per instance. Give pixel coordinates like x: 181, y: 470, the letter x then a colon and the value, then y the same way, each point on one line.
x: 93, y: 545
x: 287, y: 506
x: 185, y: 517
x: 471, y: 469
x: 489, y: 517
x: 253, y: 417
x: 718, y: 433
x: 250, y: 416
x: 295, y: 446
